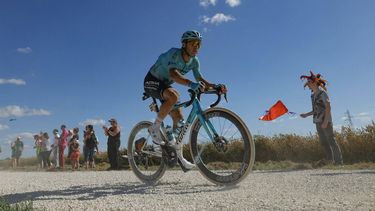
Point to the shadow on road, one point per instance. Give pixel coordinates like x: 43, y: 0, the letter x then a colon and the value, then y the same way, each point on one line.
x: 344, y: 173
x: 83, y: 192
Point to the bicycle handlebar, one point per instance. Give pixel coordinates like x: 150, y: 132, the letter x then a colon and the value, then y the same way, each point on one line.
x: 216, y: 91
x: 194, y: 95
x: 210, y: 91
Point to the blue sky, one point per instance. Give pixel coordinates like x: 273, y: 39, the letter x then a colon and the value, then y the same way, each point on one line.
x: 74, y: 62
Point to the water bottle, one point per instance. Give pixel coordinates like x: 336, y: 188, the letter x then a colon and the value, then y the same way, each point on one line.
x: 180, y: 125
x: 170, y: 136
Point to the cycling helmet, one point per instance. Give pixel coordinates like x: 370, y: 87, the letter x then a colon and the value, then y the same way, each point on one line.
x: 191, y: 35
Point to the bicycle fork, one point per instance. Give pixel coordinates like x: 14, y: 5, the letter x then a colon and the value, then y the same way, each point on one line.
x: 207, y: 125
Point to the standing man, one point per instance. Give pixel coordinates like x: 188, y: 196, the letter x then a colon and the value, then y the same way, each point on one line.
x: 322, y: 117
x: 113, y: 144
x: 17, y: 148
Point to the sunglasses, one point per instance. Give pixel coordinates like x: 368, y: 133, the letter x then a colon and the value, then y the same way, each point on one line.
x: 195, y: 43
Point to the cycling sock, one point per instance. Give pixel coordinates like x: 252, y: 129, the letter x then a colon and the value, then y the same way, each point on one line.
x: 158, y: 122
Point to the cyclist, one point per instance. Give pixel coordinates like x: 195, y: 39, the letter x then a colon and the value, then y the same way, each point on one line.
x: 171, y: 67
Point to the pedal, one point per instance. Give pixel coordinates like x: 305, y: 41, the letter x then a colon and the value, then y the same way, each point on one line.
x: 169, y: 156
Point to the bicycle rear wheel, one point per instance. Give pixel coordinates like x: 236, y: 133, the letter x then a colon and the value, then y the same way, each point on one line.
x: 145, y: 158
x: 230, y: 157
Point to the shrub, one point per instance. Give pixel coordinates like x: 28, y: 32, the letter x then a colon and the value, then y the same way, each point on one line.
x: 22, y: 206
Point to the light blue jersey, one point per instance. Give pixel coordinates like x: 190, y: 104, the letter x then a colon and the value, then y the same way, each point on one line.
x: 172, y: 59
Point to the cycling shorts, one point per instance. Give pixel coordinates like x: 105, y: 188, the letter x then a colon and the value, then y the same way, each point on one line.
x: 154, y: 87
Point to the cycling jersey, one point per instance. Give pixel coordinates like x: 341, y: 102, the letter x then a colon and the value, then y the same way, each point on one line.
x: 172, y: 59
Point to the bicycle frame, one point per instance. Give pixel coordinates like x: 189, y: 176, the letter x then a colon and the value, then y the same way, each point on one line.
x: 196, y: 112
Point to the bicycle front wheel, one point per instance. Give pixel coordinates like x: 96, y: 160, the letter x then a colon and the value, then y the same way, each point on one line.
x: 228, y: 158
x: 145, y: 158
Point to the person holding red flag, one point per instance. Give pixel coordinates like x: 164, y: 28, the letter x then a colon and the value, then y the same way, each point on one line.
x: 322, y: 117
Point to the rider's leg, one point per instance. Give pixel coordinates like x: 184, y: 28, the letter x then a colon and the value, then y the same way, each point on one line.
x: 170, y: 97
x: 176, y: 117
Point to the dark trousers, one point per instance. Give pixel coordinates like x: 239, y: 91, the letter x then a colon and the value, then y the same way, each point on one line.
x: 113, y: 147
x: 330, y: 146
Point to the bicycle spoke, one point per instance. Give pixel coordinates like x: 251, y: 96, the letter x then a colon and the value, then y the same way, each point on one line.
x: 228, y: 130
x: 145, y: 163
x: 223, y: 160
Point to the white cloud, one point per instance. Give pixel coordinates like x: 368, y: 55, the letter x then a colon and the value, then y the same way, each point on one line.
x: 92, y: 122
x: 217, y: 19
x: 206, y: 3
x: 294, y: 117
x: 363, y: 118
x: 363, y: 114
x: 233, y: 3
x: 17, y: 111
x: 337, y: 127
x: 25, y: 136
x: 3, y: 127
x: 26, y: 50
x: 12, y: 81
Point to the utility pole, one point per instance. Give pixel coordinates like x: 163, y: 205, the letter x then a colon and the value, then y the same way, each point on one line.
x: 349, y: 118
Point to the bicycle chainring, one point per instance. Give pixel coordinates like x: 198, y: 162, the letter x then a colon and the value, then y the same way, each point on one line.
x: 169, y: 156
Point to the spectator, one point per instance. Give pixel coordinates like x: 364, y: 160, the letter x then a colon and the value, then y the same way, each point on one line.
x: 91, y: 143
x: 17, y: 148
x: 75, y: 136
x: 321, y: 111
x: 113, y: 144
x: 38, y: 147
x: 74, y: 153
x: 55, y: 147
x: 45, y: 150
x: 62, y: 145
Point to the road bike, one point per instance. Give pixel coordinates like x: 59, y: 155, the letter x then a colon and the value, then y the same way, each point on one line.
x: 221, y: 145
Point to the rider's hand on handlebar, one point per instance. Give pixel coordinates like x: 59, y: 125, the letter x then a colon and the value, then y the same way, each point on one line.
x: 221, y: 88
x: 197, y: 86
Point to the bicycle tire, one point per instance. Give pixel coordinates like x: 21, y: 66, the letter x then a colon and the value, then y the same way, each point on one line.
x: 135, y: 163
x: 248, y: 157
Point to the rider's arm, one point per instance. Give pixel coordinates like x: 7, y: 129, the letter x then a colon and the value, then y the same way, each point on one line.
x: 178, y: 78
x: 208, y: 84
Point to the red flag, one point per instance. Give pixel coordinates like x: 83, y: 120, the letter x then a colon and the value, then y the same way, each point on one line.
x: 275, y: 111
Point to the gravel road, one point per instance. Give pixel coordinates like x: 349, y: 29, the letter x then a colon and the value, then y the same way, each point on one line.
x: 261, y: 190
